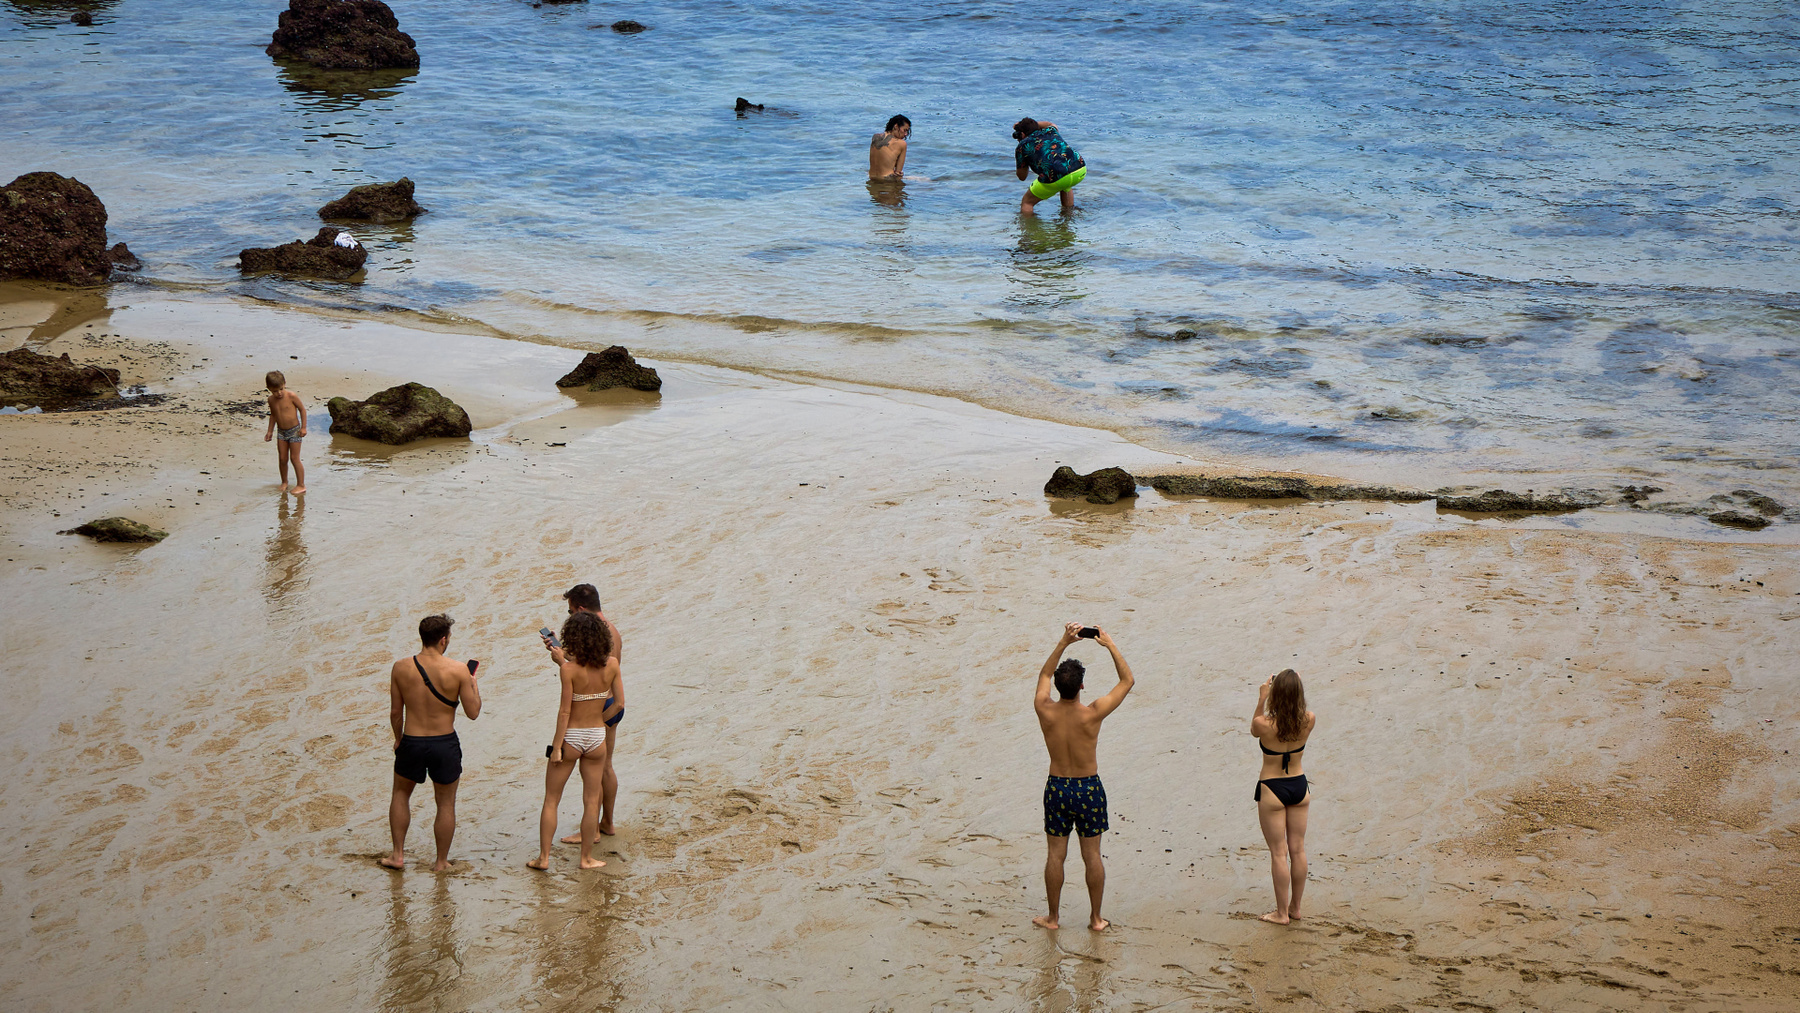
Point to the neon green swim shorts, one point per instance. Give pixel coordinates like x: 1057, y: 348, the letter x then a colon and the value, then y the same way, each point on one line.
x: 1044, y: 191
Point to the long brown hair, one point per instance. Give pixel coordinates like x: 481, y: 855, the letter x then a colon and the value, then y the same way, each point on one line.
x: 1287, y: 705
x: 586, y: 640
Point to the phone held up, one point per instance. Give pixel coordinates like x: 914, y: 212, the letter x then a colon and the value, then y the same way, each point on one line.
x: 473, y: 665
x: 550, y: 635
x: 1089, y: 632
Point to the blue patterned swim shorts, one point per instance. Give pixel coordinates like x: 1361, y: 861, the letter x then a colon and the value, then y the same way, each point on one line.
x: 1074, y: 803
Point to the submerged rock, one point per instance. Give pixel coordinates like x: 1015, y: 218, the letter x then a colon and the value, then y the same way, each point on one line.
x: 1108, y: 485
x: 117, y: 529
x: 629, y: 27
x: 52, y: 228
x: 376, y: 202
x: 123, y: 259
x: 1499, y: 501
x: 744, y: 105
x: 612, y: 368
x: 343, y: 34
x: 399, y: 415
x: 1275, y: 487
x: 82, y: 18
x: 1746, y: 509
x: 321, y: 256
x: 26, y: 376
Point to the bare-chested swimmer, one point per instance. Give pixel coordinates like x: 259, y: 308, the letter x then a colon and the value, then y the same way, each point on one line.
x: 1074, y: 798
x: 423, y: 692
x: 887, y: 150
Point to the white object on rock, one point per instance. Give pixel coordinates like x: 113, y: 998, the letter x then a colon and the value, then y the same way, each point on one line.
x: 346, y: 240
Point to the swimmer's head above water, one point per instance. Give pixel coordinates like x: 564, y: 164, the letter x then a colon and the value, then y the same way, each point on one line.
x: 899, y: 126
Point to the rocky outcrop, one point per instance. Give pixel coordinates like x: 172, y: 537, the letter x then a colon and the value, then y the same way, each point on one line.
x: 343, y: 34
x: 744, y: 105
x: 399, y: 415
x: 375, y: 202
x: 1275, y: 487
x: 1108, y: 485
x: 122, y: 259
x: 117, y: 529
x: 26, y: 376
x: 629, y: 27
x: 1499, y: 501
x: 320, y: 256
x: 1745, y: 509
x: 52, y: 228
x: 612, y: 368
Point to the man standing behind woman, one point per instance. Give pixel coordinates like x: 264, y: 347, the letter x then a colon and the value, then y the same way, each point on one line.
x: 591, y: 701
x: 1059, y: 167
x: 1282, y: 724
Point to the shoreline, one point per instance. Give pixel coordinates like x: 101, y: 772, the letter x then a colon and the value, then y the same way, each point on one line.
x: 835, y: 598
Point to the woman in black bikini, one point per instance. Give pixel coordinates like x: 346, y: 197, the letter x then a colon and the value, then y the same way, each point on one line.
x: 590, y: 701
x: 1282, y: 725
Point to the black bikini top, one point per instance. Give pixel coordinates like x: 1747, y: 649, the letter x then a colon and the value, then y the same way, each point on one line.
x: 1266, y: 751
x: 452, y: 703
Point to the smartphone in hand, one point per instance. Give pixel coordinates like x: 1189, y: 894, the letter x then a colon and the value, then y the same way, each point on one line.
x: 473, y: 665
x: 550, y: 635
x: 1089, y: 632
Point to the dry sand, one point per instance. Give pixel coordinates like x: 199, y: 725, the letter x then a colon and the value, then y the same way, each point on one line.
x: 1553, y: 766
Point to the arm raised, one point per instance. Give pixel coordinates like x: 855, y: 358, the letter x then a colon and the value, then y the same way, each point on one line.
x: 1115, y: 696
x: 1071, y: 632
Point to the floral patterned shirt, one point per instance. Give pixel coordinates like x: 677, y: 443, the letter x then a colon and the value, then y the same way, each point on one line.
x: 1045, y: 152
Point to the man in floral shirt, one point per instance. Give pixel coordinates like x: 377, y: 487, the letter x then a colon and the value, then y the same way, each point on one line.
x: 1058, y: 166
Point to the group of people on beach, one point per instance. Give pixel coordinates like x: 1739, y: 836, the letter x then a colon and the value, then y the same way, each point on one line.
x: 1041, y: 149
x: 425, y: 690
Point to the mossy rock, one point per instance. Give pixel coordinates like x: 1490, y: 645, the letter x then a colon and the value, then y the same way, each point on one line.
x: 398, y: 415
x: 117, y: 529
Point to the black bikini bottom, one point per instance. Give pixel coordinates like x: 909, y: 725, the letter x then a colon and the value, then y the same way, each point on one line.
x: 1287, y: 790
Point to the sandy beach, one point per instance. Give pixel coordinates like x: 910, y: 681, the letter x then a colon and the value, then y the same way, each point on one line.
x: 1553, y: 767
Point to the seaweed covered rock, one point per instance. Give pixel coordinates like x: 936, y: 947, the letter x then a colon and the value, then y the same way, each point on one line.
x: 122, y: 259
x: 375, y: 202
x: 26, y: 376
x: 1275, y: 487
x: 52, y: 228
x: 117, y: 529
x: 1108, y: 485
x: 343, y: 34
x: 399, y: 415
x: 1500, y: 501
x: 1745, y: 509
x: 322, y: 255
x: 612, y: 368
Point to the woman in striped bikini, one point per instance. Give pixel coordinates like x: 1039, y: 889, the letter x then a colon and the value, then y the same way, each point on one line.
x: 591, y: 700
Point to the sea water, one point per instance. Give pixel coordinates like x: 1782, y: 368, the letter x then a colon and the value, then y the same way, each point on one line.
x: 1552, y: 244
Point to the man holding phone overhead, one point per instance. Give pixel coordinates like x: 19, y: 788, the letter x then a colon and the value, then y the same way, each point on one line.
x: 1074, y: 798
x: 423, y: 692
x: 586, y: 598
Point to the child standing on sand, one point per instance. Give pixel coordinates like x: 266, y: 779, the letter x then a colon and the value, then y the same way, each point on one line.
x: 287, y: 411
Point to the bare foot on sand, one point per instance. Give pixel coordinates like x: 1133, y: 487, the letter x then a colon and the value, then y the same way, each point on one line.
x: 576, y: 838
x: 392, y: 861
x: 284, y: 487
x: 1275, y: 918
x: 1099, y: 925
x: 606, y: 829
x: 299, y: 490
x: 592, y: 863
x: 540, y: 864
x: 1045, y: 922
x: 442, y: 866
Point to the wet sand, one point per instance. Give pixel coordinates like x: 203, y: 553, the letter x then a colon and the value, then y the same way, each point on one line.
x: 1553, y: 767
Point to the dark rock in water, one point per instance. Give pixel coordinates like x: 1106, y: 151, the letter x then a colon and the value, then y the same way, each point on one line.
x: 1499, y: 501
x: 399, y: 415
x: 123, y: 259
x: 1738, y: 519
x: 376, y: 202
x: 1632, y: 495
x: 320, y: 256
x: 82, y: 18
x: 1743, y: 508
x: 345, y: 34
x: 612, y: 368
x: 52, y: 228
x: 26, y: 376
x: 117, y: 529
x: 628, y: 27
x: 1108, y: 485
x: 1275, y: 487
x: 1765, y: 505
x: 744, y: 105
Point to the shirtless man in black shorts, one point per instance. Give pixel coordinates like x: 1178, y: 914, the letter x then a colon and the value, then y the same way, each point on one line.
x: 1074, y: 798
x: 423, y: 692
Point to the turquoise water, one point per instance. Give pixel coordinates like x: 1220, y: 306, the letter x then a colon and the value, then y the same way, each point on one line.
x: 1427, y: 240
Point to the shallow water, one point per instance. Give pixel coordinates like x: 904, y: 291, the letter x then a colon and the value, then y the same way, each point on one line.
x: 1420, y: 241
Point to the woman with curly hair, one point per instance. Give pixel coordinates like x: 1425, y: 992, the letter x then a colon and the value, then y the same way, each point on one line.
x: 1282, y: 724
x: 592, y: 698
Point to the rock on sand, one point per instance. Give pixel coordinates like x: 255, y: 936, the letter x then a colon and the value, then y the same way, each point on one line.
x: 117, y: 529
x: 35, y: 379
x: 399, y: 415
x: 612, y: 368
x: 375, y: 202
x: 52, y: 228
x: 1108, y: 485
x: 320, y: 256
x: 343, y: 34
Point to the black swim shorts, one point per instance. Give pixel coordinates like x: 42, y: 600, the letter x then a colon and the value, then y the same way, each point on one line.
x: 1074, y: 803
x: 440, y: 756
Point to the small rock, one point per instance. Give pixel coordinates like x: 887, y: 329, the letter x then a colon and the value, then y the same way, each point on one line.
x: 1743, y: 508
x: 52, y: 228
x: 320, y: 256
x: 1108, y: 485
x: 117, y: 529
x: 123, y: 259
x: 32, y: 378
x: 82, y: 18
x: 628, y: 27
x: 1632, y: 495
x: 343, y: 34
x: 375, y: 202
x: 744, y: 105
x: 612, y: 368
x: 399, y: 415
x: 1738, y: 519
x: 1500, y: 501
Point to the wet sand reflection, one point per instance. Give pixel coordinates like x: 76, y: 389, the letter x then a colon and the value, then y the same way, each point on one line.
x: 423, y: 959
x: 286, y: 555
x: 571, y: 926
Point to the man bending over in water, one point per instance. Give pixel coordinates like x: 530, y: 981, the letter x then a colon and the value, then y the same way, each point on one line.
x: 1074, y: 798
x: 423, y: 692
x: 887, y: 150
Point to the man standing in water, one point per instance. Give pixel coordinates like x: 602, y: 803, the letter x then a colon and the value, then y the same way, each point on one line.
x: 1059, y: 167
x: 423, y: 692
x: 887, y: 150
x: 586, y: 598
x: 1074, y: 798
